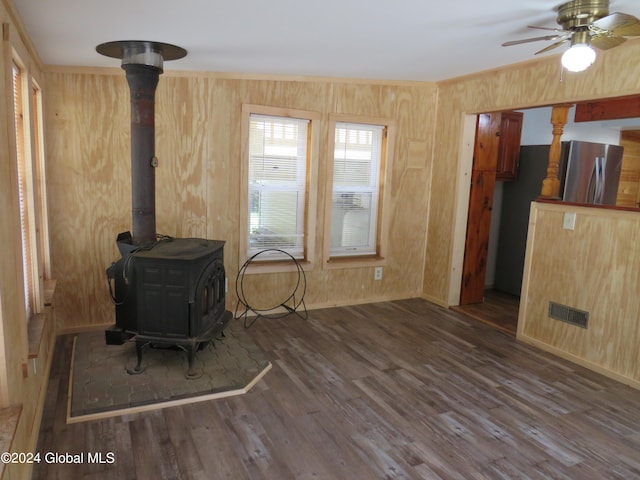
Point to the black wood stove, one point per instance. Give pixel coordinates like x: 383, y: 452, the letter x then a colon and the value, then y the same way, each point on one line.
x: 167, y: 291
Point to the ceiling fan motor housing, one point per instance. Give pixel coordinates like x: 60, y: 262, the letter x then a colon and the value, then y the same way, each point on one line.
x: 579, y: 14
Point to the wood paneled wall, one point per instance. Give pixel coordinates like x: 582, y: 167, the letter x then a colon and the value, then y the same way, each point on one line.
x: 11, y: 297
x: 610, y: 286
x: 540, y: 82
x: 594, y: 268
x: 198, y: 136
x: 23, y: 376
x: 629, y: 188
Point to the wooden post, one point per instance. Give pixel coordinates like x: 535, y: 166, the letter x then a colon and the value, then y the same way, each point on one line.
x: 551, y: 184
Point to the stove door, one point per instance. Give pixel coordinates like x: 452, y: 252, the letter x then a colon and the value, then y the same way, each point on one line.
x: 163, y: 306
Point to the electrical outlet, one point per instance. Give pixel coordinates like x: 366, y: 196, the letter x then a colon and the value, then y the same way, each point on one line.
x: 377, y: 273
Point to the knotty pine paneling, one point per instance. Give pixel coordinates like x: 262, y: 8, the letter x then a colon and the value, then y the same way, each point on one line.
x: 198, y: 144
x: 594, y: 268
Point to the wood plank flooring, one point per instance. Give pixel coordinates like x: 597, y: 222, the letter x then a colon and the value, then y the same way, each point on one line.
x: 393, y: 390
x: 500, y: 310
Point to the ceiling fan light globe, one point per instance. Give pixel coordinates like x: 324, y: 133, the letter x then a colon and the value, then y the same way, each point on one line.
x: 578, y: 58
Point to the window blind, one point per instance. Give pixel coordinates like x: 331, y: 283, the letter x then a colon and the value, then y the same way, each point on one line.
x: 278, y: 150
x: 356, y: 188
x: 22, y: 189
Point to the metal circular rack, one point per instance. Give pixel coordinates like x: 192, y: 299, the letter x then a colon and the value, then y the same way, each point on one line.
x: 294, y: 303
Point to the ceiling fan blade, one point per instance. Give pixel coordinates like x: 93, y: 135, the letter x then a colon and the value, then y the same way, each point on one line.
x: 619, y: 24
x: 553, y: 45
x: 605, y: 42
x: 556, y: 29
x: 528, y: 40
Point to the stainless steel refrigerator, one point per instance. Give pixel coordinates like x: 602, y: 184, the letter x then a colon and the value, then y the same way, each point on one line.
x: 592, y: 173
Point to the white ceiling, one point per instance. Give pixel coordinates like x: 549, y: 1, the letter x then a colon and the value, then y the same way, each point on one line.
x: 375, y: 39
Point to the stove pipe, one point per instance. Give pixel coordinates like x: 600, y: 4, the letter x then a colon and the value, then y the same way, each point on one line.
x: 142, y: 63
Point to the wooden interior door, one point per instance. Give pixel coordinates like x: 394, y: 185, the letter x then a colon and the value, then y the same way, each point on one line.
x: 483, y: 179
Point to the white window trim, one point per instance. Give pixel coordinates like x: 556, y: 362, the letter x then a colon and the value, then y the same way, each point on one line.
x: 311, y: 190
x: 379, y: 258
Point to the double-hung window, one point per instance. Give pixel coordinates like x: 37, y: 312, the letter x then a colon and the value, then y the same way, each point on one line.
x: 277, y: 179
x: 25, y: 193
x: 356, y: 189
x: 27, y: 103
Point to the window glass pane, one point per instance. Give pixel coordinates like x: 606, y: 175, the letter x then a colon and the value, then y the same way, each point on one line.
x: 277, y: 184
x: 356, y: 176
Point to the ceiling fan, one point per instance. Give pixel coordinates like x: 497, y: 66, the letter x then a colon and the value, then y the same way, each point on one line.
x: 585, y: 23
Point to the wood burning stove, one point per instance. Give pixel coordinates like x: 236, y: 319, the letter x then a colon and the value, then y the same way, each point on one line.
x: 167, y: 291
x: 171, y: 292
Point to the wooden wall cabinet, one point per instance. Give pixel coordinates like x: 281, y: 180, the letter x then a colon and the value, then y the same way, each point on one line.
x: 509, y: 145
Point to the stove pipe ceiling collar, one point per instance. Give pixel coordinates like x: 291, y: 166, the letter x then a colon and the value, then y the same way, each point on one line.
x: 141, y: 52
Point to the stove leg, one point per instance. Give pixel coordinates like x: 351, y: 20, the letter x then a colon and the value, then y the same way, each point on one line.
x: 191, y: 356
x: 138, y: 368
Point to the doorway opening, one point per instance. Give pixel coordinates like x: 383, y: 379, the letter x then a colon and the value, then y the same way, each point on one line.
x: 498, y: 213
x: 496, y: 154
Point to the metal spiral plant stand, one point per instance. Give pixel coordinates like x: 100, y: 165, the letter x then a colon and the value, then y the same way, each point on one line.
x: 294, y: 303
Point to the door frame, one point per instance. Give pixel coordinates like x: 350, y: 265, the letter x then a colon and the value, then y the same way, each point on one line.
x: 459, y: 228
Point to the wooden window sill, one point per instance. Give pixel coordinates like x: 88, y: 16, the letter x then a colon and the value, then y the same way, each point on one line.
x: 34, y: 333
x: 355, y: 261
x: 257, y: 267
x: 35, y: 329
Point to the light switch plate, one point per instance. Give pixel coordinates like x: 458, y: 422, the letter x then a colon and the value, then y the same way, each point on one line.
x: 569, y: 222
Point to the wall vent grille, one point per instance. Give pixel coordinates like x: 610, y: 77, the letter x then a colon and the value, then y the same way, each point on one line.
x: 568, y: 314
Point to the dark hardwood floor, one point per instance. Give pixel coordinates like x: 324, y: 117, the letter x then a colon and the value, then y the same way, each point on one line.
x: 401, y: 389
